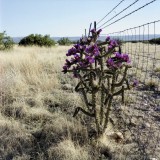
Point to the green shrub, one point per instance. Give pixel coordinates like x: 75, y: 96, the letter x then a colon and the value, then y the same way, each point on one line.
x: 6, y: 42
x: 64, y: 41
x: 37, y: 40
x: 155, y: 41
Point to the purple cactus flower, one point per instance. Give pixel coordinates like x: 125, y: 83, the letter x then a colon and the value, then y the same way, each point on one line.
x: 96, y: 51
x: 108, y: 38
x: 92, y: 50
x: 113, y: 64
x: 93, y: 31
x: 77, y: 46
x: 99, y: 31
x: 77, y: 57
x: 71, y: 51
x: 118, y: 55
x: 90, y: 59
x: 125, y: 57
x: 110, y: 63
x: 135, y: 83
x: 110, y: 47
x: 113, y: 43
x: 65, y: 69
x: 68, y: 63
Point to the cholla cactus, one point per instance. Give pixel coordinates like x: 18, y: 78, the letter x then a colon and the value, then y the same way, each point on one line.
x: 102, y: 71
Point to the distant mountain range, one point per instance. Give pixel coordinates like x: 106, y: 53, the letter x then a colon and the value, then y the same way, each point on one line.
x: 102, y: 38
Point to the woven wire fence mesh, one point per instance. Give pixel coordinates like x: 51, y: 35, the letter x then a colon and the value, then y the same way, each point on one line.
x: 138, y: 119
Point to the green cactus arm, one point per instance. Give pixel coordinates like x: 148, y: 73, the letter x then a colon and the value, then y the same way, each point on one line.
x: 105, y: 89
x: 120, y: 91
x: 103, y: 43
x: 123, y: 79
x: 107, y: 112
x: 88, y: 105
x: 107, y: 53
x: 83, y: 111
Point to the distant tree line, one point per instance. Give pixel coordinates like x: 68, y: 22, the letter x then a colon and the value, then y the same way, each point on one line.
x: 6, y: 42
x: 39, y: 40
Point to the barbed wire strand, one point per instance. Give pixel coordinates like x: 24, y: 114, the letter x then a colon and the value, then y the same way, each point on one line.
x: 120, y: 12
x: 110, y: 12
x: 129, y: 14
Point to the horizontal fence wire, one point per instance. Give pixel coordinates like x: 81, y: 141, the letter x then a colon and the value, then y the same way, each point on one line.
x: 110, y: 12
x: 139, y: 118
x: 102, y: 26
x: 119, y: 13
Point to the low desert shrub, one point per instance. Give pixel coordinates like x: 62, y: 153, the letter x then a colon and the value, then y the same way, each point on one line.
x: 37, y: 40
x: 155, y: 41
x: 6, y: 42
x: 64, y: 41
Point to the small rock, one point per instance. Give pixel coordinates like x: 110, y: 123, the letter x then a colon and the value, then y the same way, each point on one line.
x: 157, y: 109
x: 133, y: 122
x: 117, y: 136
x: 67, y: 87
x: 145, y: 125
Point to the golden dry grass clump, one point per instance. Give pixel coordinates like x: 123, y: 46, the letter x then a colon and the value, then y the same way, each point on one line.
x: 33, y: 95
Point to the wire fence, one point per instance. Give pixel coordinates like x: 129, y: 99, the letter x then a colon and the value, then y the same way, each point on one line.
x: 139, y: 118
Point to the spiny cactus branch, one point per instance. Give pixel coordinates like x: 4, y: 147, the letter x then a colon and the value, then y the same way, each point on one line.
x: 107, y: 113
x: 123, y: 79
x: 83, y: 111
x: 120, y: 91
x: 88, y: 105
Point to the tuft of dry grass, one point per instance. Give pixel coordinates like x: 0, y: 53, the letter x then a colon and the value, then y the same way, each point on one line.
x: 32, y: 100
x: 68, y: 150
x: 14, y: 138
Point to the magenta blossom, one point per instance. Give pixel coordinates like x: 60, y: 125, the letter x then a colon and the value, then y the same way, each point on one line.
x: 92, y: 50
x: 118, y: 55
x: 99, y: 31
x: 108, y: 38
x: 71, y: 51
x: 125, y: 57
x: 65, y: 69
x: 112, y: 44
x: 111, y: 64
x: 90, y: 59
x: 93, y: 31
x: 122, y: 56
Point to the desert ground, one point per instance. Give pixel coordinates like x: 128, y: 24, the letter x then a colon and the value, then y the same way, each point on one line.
x: 37, y: 103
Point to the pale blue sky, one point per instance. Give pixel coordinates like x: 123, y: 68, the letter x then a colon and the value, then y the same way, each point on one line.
x: 69, y: 17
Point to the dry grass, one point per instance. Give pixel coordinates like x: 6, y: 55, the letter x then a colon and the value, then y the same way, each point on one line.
x: 68, y: 150
x: 36, y: 105
x: 31, y: 103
